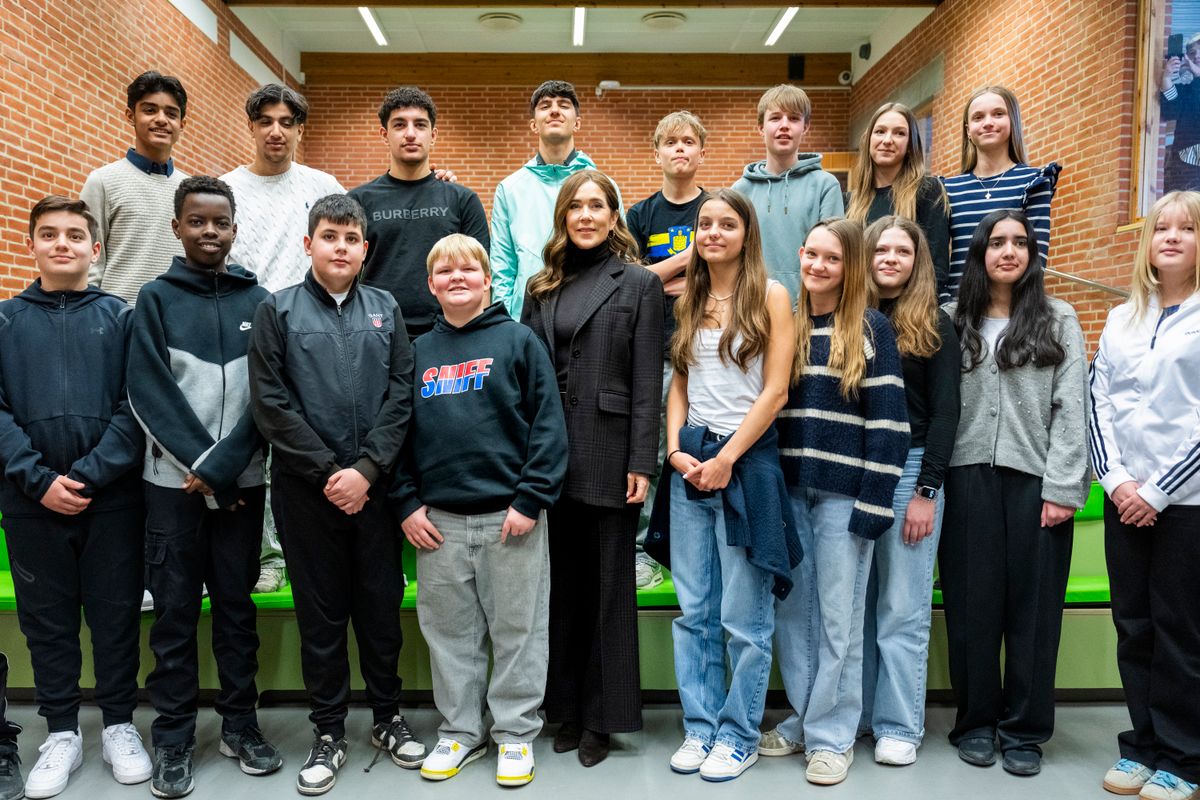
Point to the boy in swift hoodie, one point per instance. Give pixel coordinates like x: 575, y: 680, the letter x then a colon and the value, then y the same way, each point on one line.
x: 476, y: 512
x: 789, y: 190
x: 203, y: 475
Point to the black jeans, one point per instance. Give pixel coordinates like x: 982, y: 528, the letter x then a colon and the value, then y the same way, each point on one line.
x: 1004, y: 578
x: 60, y: 563
x: 188, y: 546
x: 8, y: 730
x: 344, y: 568
x: 1156, y: 608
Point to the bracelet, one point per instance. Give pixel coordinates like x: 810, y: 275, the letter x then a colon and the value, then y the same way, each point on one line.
x: 673, y: 452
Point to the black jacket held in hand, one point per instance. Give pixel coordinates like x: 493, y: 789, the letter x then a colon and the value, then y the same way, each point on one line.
x: 613, y: 390
x: 63, y: 408
x: 331, y: 385
x: 487, y: 427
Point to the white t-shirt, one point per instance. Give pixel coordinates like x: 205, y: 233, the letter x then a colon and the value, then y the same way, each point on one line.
x: 990, y: 329
x: 272, y: 220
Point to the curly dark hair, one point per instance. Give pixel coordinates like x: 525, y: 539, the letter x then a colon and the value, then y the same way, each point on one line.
x: 203, y: 184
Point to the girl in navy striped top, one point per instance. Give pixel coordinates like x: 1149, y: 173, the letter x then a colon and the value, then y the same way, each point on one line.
x: 843, y: 440
x: 995, y: 177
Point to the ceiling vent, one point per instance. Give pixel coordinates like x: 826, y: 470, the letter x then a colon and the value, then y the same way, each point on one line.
x: 664, y: 20
x: 500, y: 21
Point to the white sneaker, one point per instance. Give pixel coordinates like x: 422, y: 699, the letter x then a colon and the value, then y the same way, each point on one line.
x: 1127, y: 777
x: 774, y: 743
x: 1162, y: 785
x: 690, y: 755
x: 895, y: 752
x: 827, y: 768
x: 61, y: 754
x: 147, y: 600
x: 724, y: 763
x: 514, y: 764
x: 647, y: 573
x: 270, y: 579
x: 449, y: 757
x: 123, y: 749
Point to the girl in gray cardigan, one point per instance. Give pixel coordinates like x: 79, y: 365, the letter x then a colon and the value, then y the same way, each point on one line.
x: 1018, y: 473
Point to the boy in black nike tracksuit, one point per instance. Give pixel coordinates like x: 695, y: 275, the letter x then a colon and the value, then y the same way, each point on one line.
x: 330, y: 375
x: 70, y: 493
x: 203, y: 475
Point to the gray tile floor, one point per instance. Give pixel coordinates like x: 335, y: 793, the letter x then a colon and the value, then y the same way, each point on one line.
x: 1083, y: 747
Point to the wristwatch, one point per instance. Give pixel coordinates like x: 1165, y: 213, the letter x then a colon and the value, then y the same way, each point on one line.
x: 928, y: 492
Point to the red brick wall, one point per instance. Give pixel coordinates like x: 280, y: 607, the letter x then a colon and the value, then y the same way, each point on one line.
x: 64, y: 67
x: 1072, y: 67
x: 483, y: 132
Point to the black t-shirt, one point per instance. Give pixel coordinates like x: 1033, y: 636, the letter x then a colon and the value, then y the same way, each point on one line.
x: 662, y: 229
x: 404, y: 220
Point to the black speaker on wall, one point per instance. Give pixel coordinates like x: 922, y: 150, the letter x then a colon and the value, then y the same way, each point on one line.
x: 795, y: 67
x: 864, y: 51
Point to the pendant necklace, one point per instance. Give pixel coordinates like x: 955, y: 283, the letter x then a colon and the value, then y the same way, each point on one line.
x: 987, y: 195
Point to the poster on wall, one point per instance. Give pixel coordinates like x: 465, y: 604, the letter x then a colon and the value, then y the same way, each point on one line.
x: 1171, y: 133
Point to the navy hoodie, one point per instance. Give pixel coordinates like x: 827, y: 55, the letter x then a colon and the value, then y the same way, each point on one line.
x: 63, y: 409
x: 188, y: 380
x: 487, y: 428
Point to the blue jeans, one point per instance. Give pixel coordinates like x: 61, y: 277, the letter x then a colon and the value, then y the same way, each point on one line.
x: 896, y: 626
x: 819, y: 627
x: 720, y: 594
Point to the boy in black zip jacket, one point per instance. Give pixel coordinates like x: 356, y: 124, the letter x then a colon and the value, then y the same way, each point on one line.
x: 330, y: 375
x: 475, y: 509
x: 203, y: 474
x: 71, y: 497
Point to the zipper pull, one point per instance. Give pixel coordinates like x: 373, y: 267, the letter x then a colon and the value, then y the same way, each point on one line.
x: 62, y: 301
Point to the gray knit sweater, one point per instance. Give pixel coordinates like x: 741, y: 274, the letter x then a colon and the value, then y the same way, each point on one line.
x: 1031, y: 419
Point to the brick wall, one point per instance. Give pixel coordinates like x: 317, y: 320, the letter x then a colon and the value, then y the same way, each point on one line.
x: 1072, y: 67
x: 64, y: 67
x: 483, y: 132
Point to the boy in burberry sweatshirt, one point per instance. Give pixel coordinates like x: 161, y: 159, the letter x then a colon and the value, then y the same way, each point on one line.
x: 475, y: 509
x: 330, y: 373
x: 203, y: 475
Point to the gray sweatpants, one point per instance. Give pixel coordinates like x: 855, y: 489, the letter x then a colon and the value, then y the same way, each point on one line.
x: 473, y: 590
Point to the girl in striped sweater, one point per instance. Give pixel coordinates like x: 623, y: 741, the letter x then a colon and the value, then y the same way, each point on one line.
x: 843, y: 439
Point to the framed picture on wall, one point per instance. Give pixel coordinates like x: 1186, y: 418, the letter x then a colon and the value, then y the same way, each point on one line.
x: 1169, y: 99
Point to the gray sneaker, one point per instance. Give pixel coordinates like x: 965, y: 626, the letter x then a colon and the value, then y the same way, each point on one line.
x: 647, y: 572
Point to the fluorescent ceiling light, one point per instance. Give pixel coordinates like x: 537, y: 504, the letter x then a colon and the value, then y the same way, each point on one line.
x: 577, y: 38
x: 372, y: 25
x: 781, y: 26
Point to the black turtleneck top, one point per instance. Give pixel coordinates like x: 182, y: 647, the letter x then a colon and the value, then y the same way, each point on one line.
x: 580, y: 275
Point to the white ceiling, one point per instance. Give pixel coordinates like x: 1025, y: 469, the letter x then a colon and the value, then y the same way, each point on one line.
x: 290, y: 30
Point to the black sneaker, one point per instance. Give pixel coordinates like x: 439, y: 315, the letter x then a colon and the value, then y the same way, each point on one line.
x: 256, y: 755
x: 398, y: 739
x: 12, y: 786
x: 173, y: 771
x: 319, y: 772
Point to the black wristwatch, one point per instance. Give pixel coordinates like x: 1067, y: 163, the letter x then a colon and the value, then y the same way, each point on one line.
x: 928, y: 492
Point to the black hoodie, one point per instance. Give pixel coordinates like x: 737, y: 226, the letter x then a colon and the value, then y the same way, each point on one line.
x: 487, y: 427
x: 63, y: 409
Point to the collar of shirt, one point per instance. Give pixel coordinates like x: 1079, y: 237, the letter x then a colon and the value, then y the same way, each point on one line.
x: 150, y: 167
x: 541, y: 162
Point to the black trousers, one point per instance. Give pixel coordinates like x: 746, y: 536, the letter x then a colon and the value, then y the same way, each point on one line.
x: 1156, y: 608
x: 1004, y: 578
x: 188, y: 546
x: 344, y: 568
x: 60, y: 563
x: 8, y: 729
x: 593, y: 676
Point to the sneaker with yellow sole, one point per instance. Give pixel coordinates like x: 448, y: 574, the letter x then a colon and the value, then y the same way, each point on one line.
x: 449, y: 757
x: 514, y: 764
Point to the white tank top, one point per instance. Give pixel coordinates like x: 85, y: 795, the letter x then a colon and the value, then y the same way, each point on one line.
x: 720, y: 395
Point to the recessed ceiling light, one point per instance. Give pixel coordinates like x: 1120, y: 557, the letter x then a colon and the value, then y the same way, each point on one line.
x: 781, y: 26
x: 368, y: 17
x: 500, y: 21
x: 664, y: 20
x: 577, y: 34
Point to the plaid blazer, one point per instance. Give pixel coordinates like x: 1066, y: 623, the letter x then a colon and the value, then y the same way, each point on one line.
x: 614, y: 382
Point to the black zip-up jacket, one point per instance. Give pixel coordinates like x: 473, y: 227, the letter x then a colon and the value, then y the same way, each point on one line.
x: 63, y: 408
x: 331, y: 384
x: 187, y: 378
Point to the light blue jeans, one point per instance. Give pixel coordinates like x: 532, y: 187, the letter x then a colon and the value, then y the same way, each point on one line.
x: 720, y: 595
x: 896, y: 625
x: 819, y: 627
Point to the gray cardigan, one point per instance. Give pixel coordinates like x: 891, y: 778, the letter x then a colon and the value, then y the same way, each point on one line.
x: 1031, y: 419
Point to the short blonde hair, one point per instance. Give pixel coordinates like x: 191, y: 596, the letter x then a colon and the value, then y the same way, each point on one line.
x: 1145, y: 276
x: 677, y: 122
x: 785, y: 97
x: 458, y: 248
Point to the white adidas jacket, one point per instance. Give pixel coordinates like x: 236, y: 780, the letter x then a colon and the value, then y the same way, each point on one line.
x: 1145, y: 420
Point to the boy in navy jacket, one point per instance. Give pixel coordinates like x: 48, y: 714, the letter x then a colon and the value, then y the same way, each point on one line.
x: 330, y: 376
x: 203, y: 474
x: 476, y: 512
x: 70, y: 496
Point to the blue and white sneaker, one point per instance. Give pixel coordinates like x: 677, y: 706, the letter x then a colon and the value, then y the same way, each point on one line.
x: 724, y: 763
x: 690, y: 755
x: 1126, y: 777
x: 1165, y: 786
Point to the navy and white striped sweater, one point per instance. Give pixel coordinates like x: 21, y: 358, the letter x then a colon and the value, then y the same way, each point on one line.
x: 853, y: 447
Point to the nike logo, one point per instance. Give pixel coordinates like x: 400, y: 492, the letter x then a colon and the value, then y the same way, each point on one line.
x: 245, y: 326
